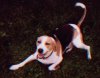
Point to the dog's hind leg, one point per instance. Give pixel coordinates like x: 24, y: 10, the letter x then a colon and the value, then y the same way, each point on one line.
x: 69, y: 47
x: 78, y: 43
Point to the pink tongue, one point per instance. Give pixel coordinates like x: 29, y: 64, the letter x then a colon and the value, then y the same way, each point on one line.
x: 40, y: 56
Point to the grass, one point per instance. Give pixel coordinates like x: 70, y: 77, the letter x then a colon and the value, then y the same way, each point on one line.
x: 21, y: 22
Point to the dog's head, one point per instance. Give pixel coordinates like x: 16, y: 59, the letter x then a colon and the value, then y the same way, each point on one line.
x: 45, y: 46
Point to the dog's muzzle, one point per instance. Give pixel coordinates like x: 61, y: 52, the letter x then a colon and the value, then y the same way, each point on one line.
x: 42, y: 55
x: 40, y: 50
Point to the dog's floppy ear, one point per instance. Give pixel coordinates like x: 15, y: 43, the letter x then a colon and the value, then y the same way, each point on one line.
x: 57, y: 46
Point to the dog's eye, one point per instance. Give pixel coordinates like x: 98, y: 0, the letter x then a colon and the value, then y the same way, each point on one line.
x: 39, y: 42
x: 47, y: 43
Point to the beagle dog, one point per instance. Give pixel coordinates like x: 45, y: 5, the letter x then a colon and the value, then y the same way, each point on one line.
x: 50, y: 48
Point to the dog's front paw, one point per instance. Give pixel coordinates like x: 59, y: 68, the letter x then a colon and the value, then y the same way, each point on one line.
x: 51, y: 68
x: 14, y: 67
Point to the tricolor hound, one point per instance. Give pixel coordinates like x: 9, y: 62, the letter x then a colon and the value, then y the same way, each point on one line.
x: 50, y: 48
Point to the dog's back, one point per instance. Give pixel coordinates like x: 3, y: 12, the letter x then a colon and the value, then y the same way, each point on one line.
x: 64, y: 34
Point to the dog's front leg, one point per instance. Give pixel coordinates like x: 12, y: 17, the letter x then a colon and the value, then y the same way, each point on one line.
x: 30, y: 58
x: 54, y: 66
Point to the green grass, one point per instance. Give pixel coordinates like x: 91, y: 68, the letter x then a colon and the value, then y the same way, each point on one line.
x: 22, y: 22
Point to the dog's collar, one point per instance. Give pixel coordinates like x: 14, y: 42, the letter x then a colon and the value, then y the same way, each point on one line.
x: 47, y: 56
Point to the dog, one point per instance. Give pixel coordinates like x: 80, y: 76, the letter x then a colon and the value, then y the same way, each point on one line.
x: 50, y: 48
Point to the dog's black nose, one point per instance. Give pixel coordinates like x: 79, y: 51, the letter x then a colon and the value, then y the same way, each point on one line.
x: 40, y: 50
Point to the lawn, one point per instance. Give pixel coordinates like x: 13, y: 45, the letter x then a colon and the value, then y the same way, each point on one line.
x: 22, y: 21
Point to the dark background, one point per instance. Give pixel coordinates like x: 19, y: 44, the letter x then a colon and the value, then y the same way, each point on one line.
x: 22, y: 21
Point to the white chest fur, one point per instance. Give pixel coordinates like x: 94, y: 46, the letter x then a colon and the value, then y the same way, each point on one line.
x: 50, y: 60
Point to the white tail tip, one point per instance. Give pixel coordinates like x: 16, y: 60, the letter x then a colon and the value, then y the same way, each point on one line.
x: 80, y: 5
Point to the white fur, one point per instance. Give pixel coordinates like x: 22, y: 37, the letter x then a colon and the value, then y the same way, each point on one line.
x: 42, y: 45
x: 55, y: 59
x: 75, y: 27
x: 80, y: 5
x: 78, y: 42
x: 30, y: 58
x: 50, y: 60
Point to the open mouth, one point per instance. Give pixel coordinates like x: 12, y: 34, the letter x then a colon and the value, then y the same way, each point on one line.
x: 44, y: 56
x: 40, y: 56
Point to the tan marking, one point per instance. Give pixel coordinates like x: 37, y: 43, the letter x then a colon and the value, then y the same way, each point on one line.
x: 58, y: 47
x: 51, y: 44
x: 75, y: 34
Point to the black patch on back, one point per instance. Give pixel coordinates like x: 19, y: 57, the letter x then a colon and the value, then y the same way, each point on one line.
x: 64, y: 34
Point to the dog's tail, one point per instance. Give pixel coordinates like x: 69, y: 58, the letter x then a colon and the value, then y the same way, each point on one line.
x: 84, y: 14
